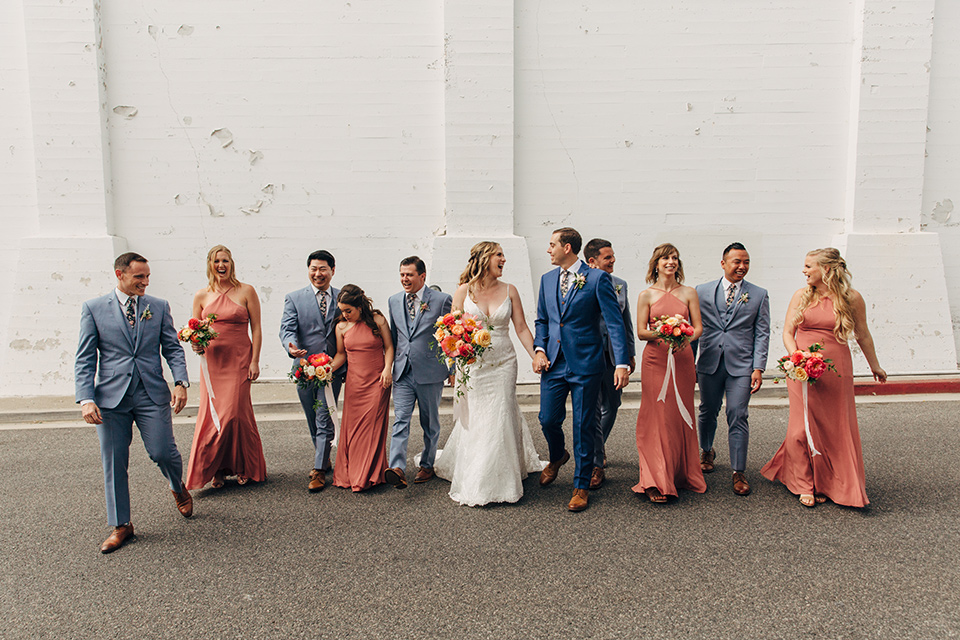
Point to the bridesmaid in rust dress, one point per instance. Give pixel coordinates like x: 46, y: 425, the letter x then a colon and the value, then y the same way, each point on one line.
x: 363, y: 341
x: 827, y: 462
x: 666, y: 430
x: 232, y: 362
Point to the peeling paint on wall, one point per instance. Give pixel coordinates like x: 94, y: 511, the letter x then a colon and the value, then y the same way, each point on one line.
x: 942, y: 211
x: 224, y: 136
x: 185, y: 30
x: 126, y: 111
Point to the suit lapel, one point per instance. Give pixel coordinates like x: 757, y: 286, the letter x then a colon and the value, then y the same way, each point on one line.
x: 114, y: 303
x: 737, y: 301
x: 572, y: 291
x: 416, y: 319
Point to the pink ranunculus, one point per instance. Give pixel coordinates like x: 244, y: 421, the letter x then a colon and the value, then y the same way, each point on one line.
x: 457, y: 330
x: 815, y: 367
x: 677, y: 331
x: 688, y: 330
x: 796, y: 357
x: 449, y: 320
x: 466, y: 350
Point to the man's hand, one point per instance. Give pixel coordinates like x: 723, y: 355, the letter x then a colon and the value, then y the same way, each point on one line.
x: 621, y: 378
x: 452, y: 379
x: 756, y: 380
x: 179, y: 399
x: 540, y: 362
x: 91, y: 413
x: 296, y: 353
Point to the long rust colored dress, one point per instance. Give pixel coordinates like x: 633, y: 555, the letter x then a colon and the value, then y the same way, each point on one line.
x: 836, y: 471
x: 668, y: 447
x: 235, y: 449
x: 362, y: 451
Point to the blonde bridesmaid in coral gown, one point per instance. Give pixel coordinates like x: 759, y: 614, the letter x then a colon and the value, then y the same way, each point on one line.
x: 833, y: 468
x: 231, y: 360
x: 363, y: 448
x: 666, y: 434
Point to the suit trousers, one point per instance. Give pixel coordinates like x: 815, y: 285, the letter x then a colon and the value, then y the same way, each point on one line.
x: 406, y: 394
x: 555, y: 384
x: 713, y: 387
x: 608, y: 403
x: 156, y: 430
x: 319, y: 421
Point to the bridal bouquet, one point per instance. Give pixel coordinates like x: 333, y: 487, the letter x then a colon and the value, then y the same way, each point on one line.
x: 313, y: 372
x: 673, y: 330
x: 462, y: 339
x: 199, y: 332
x: 805, y: 366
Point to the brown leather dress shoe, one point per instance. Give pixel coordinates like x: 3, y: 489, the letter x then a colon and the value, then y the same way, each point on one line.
x: 740, y: 485
x: 706, y: 460
x: 184, y: 502
x: 396, y: 477
x: 549, y: 473
x: 579, y: 500
x: 117, y: 539
x: 423, y: 475
x: 318, y: 481
x: 597, y: 478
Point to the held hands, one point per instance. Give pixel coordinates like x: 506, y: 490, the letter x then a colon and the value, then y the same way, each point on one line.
x: 294, y: 352
x: 540, y: 362
x: 633, y: 364
x: 254, y: 371
x: 91, y: 413
x: 621, y: 378
x: 756, y: 380
x: 386, y: 378
x: 179, y: 399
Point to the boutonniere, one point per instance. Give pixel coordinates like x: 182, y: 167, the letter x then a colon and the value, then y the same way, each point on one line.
x: 618, y: 288
x: 424, y: 307
x: 744, y: 298
x: 579, y: 280
x: 146, y: 315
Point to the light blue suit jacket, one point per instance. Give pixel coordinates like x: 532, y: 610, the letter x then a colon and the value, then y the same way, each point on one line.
x: 302, y: 325
x: 743, y: 338
x: 573, y: 324
x: 105, y: 337
x: 415, y: 345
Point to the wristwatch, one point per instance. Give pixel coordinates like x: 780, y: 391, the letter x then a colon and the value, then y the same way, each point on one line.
x: 182, y: 383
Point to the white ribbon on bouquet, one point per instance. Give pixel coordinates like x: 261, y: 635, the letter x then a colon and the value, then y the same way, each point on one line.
x: 332, y: 410
x: 672, y: 375
x: 806, y: 420
x: 210, y: 394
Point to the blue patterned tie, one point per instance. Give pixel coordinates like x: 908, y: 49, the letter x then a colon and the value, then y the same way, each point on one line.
x: 731, y: 290
x: 131, y: 311
x: 564, y: 283
x: 412, y: 305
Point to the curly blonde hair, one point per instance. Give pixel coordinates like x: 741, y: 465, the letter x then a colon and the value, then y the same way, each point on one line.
x: 212, y: 273
x: 480, y: 256
x: 662, y: 251
x: 836, y: 278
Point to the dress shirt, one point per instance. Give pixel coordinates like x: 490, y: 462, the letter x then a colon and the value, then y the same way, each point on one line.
x: 726, y: 290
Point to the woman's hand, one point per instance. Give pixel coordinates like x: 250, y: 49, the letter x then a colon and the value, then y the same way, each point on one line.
x: 196, y: 348
x: 879, y: 375
x: 386, y: 378
x: 254, y: 371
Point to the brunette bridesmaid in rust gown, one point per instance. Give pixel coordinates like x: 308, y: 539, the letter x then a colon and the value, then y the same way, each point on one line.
x: 363, y: 341
x: 666, y: 429
x: 232, y: 363
x: 825, y: 462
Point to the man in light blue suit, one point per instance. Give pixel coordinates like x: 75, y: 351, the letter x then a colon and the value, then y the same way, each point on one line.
x: 119, y: 381
x: 307, y: 326
x: 599, y: 255
x: 418, y: 374
x: 732, y: 357
x: 572, y: 300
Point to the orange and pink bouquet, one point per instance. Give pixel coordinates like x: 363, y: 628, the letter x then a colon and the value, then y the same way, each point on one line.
x: 462, y: 339
x: 805, y: 366
x: 199, y: 332
x: 314, y: 371
x: 673, y: 330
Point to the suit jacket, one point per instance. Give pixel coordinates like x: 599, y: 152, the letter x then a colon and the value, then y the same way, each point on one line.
x: 573, y: 324
x: 302, y: 325
x: 415, y: 345
x: 620, y: 288
x: 110, y: 356
x: 743, y: 338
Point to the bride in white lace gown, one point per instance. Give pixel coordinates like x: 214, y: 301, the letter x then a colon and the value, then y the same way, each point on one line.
x: 490, y: 450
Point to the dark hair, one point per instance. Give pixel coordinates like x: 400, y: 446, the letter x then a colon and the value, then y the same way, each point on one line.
x: 662, y: 251
x: 421, y: 265
x: 593, y: 248
x: 354, y: 296
x: 570, y: 236
x: 122, y: 263
x: 733, y: 246
x: 324, y: 255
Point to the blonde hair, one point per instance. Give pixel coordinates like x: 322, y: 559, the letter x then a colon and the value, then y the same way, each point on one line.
x: 479, y: 262
x: 211, y: 272
x: 662, y: 251
x: 836, y: 279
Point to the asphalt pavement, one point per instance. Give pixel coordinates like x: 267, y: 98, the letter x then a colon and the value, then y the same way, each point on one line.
x: 273, y: 561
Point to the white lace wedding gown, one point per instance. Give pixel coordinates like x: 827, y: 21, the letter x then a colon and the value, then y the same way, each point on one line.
x: 488, y: 454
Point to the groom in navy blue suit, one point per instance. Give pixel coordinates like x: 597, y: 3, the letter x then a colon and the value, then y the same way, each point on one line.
x: 570, y: 360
